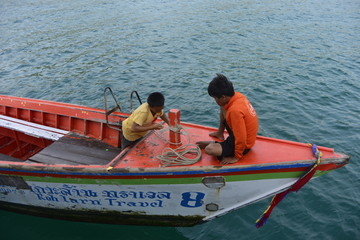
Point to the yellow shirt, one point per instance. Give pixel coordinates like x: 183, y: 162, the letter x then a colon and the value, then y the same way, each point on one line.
x: 141, y: 116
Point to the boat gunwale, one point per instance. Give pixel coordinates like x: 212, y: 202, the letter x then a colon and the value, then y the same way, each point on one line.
x: 148, y: 172
x: 38, y: 106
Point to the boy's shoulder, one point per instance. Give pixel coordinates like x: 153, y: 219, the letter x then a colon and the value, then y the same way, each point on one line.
x: 143, y: 108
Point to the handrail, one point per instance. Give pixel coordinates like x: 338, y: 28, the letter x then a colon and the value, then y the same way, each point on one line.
x: 131, y: 99
x: 108, y: 112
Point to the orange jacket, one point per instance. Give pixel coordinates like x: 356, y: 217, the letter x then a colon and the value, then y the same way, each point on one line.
x: 243, y: 121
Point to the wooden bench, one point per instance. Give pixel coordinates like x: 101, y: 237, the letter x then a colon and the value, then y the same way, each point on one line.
x: 32, y: 129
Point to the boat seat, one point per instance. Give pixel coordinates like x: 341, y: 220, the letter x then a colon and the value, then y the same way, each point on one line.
x: 32, y: 129
x: 75, y: 149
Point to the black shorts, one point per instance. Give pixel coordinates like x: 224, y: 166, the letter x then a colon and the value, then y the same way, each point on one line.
x: 228, y: 148
x: 125, y: 142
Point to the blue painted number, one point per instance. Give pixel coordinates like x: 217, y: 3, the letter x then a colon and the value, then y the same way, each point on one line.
x: 192, y: 199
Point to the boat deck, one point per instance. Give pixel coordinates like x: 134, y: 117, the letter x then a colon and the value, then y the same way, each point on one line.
x: 5, y: 157
x: 74, y: 149
x: 265, y: 151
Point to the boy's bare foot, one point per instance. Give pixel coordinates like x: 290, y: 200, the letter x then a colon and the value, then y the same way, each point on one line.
x: 217, y: 135
x: 229, y: 160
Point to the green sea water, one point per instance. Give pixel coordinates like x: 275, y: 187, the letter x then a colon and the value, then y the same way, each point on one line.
x: 297, y: 61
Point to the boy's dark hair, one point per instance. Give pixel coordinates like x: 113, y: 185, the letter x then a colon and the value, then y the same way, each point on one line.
x: 220, y: 86
x: 156, y: 99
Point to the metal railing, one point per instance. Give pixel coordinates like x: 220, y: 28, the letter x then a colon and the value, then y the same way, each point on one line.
x: 108, y: 112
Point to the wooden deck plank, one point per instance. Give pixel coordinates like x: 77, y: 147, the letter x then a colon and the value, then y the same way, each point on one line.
x: 4, y: 157
x: 74, y: 149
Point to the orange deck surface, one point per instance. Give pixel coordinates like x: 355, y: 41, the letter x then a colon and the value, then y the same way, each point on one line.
x: 266, y: 150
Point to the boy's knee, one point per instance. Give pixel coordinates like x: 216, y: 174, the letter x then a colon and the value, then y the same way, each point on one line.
x: 211, y: 150
x: 208, y: 149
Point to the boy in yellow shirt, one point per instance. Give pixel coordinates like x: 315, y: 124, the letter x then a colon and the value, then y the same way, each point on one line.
x: 142, y: 119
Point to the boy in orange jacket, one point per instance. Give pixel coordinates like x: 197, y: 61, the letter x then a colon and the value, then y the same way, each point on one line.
x: 237, y: 116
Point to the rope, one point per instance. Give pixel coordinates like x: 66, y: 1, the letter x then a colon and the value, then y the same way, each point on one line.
x: 176, y: 157
x: 317, y: 154
x: 294, y: 188
x: 178, y: 127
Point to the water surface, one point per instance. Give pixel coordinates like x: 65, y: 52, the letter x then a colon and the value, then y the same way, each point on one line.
x: 297, y: 61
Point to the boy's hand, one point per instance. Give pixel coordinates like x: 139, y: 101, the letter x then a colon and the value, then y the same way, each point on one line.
x: 203, y: 144
x: 157, y: 126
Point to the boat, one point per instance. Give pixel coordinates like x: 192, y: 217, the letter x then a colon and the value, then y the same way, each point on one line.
x: 64, y: 161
